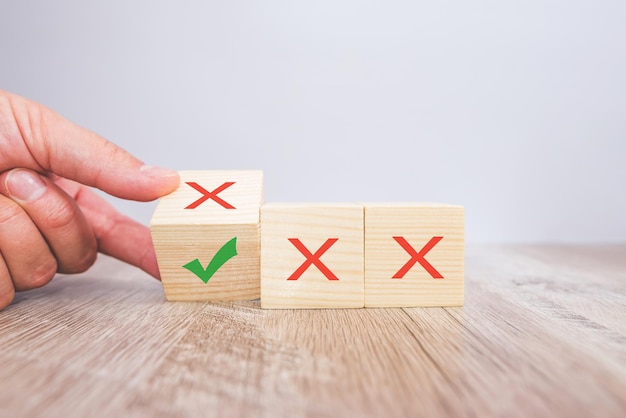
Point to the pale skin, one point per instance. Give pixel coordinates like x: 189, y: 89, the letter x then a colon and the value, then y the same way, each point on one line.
x: 51, y: 221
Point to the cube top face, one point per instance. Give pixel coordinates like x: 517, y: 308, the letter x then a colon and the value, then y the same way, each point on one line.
x: 212, y: 197
x: 414, y: 255
x: 311, y: 256
x: 402, y: 206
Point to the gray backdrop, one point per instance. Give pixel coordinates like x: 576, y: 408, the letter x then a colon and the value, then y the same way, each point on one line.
x: 515, y: 109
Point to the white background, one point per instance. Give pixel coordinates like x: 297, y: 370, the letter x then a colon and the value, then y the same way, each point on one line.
x: 514, y: 109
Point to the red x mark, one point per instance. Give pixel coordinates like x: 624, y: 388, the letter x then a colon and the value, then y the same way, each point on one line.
x: 313, y: 259
x: 418, y: 257
x: 206, y: 195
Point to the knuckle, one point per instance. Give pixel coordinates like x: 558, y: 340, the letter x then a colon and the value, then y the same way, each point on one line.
x: 43, y: 273
x: 83, y: 263
x: 110, y: 156
x: 9, y: 212
x: 61, y: 215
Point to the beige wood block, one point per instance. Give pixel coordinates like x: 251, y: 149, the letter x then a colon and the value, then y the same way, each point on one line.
x: 414, y: 226
x: 294, y: 272
x: 199, y: 222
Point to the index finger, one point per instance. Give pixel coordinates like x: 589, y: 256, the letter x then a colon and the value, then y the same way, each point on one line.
x: 61, y: 147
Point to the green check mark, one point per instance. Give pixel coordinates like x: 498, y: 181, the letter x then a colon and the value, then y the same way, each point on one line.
x: 228, y: 251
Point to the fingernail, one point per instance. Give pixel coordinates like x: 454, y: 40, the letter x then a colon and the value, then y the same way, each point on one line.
x: 157, y: 172
x: 25, y: 185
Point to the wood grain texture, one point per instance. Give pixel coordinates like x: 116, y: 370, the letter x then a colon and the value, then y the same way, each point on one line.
x: 542, y: 334
x: 313, y: 225
x: 417, y: 223
x: 181, y: 235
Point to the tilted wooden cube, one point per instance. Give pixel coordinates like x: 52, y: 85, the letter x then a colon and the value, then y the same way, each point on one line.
x: 414, y: 255
x: 311, y: 256
x: 206, y: 236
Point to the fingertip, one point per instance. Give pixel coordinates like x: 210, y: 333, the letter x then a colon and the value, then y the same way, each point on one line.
x: 157, y: 172
x: 145, y: 183
x: 164, y: 180
x: 140, y: 183
x: 149, y: 264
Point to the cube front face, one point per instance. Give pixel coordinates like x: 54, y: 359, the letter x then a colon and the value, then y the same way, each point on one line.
x: 414, y: 255
x: 311, y: 256
x: 206, y: 236
x: 236, y: 279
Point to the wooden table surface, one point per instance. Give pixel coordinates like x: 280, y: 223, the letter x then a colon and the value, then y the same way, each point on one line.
x: 542, y: 333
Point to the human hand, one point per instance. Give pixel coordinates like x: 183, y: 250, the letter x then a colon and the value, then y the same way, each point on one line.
x: 50, y: 220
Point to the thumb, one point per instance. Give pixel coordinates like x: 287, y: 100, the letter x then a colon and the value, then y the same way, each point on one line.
x: 63, y: 148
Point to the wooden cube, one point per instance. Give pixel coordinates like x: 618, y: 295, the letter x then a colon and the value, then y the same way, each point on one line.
x: 311, y: 256
x: 206, y: 236
x: 414, y: 255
